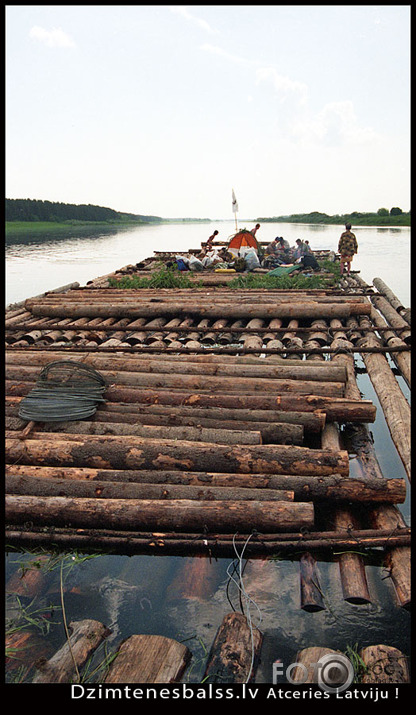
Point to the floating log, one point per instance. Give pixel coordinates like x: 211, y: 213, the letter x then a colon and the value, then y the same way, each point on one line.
x: 395, y: 407
x: 384, y: 664
x: 351, y: 565
x: 64, y: 666
x: 196, y: 579
x: 218, y: 545
x: 235, y: 652
x: 149, y: 659
x: 393, y: 318
x: 179, y: 515
x: 311, y: 598
x: 402, y: 360
x: 331, y: 487
x: 109, y: 451
x: 29, y: 582
x: 383, y: 516
x: 38, y: 486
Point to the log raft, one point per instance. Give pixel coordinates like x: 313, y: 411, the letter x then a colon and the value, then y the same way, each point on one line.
x: 225, y: 409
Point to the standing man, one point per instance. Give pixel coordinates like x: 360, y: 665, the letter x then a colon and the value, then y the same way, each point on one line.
x: 255, y: 229
x: 347, y: 246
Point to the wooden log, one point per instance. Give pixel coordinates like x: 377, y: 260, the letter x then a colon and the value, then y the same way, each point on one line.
x: 196, y: 580
x: 331, y: 487
x: 197, y: 434
x: 384, y: 289
x: 63, y: 667
x: 225, y: 310
x: 395, y: 407
x: 393, y: 318
x: 81, y: 488
x: 311, y: 598
x: 402, y: 360
x: 336, y: 409
x: 306, y: 671
x: 179, y: 515
x: 270, y: 433
x: 215, y: 545
x: 384, y: 664
x: 351, y: 565
x: 235, y: 652
x: 198, y: 382
x: 397, y: 559
x: 109, y: 451
x: 29, y: 582
x: 149, y: 659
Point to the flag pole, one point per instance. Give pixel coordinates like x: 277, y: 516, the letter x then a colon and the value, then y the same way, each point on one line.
x: 235, y: 208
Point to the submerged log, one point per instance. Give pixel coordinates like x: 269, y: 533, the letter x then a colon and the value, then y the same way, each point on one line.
x: 56, y: 449
x: 311, y: 599
x: 149, y: 659
x: 178, y: 515
x: 63, y: 667
x: 235, y: 652
x: 384, y: 664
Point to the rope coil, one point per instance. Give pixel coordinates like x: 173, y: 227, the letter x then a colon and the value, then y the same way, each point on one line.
x: 64, y: 391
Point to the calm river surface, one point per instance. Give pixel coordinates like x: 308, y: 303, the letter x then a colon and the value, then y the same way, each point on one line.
x: 142, y: 594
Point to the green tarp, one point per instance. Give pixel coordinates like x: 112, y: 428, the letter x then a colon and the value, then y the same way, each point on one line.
x: 283, y: 270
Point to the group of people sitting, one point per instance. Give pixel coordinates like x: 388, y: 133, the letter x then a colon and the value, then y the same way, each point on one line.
x: 280, y: 253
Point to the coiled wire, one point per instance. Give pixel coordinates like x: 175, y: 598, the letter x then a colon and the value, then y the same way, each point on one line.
x: 64, y: 391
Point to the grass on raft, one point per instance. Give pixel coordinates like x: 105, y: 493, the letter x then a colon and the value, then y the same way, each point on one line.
x: 173, y: 278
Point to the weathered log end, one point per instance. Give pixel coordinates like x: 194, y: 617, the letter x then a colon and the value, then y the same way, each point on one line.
x: 149, y: 659
x: 235, y: 652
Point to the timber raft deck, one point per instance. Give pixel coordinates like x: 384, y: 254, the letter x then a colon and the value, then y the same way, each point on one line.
x: 227, y: 422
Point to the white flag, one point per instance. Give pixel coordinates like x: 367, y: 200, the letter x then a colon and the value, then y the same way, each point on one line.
x: 235, y: 204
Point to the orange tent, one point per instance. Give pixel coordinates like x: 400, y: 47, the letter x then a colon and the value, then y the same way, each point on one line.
x: 241, y: 242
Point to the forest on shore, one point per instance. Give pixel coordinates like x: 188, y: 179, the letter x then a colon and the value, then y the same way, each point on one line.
x: 383, y: 217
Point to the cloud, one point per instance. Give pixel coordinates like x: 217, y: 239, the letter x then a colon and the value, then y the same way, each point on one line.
x: 183, y: 12
x: 335, y: 124
x: 222, y: 53
x: 52, y: 38
x: 284, y: 86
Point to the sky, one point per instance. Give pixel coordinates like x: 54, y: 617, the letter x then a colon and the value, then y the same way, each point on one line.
x: 165, y: 109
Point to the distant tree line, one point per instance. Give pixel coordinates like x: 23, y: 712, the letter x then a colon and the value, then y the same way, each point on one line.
x: 37, y: 210
x: 383, y: 217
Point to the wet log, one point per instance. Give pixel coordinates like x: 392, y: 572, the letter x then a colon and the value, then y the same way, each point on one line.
x: 306, y: 671
x: 63, y: 667
x: 384, y: 664
x: 109, y: 451
x: 402, y: 360
x: 81, y: 488
x: 311, y: 597
x: 384, y: 289
x: 149, y: 659
x: 29, y: 582
x: 395, y: 407
x: 397, y: 560
x: 235, y: 652
x: 302, y: 310
x: 196, y: 580
x: 384, y: 516
x: 216, y: 545
x: 331, y: 487
x: 351, y: 565
x: 178, y: 515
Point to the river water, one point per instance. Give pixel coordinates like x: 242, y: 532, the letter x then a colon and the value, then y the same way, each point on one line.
x: 147, y: 594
